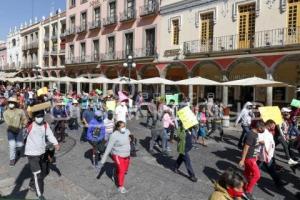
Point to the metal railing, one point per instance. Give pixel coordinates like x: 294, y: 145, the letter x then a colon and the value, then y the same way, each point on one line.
x: 95, y: 24
x: 150, y: 8
x: 33, y: 45
x: 82, y: 28
x: 27, y: 65
x: 110, y: 20
x: 262, y: 39
x: 46, y: 53
x: 46, y: 38
x: 136, y: 53
x: 72, y: 60
x: 128, y: 15
x: 71, y: 30
x: 54, y: 36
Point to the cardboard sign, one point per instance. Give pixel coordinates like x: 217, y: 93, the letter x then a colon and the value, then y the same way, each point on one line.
x: 111, y: 105
x: 187, y: 117
x: 174, y: 97
x: 99, y: 92
x: 295, y: 103
x: 38, y: 107
x: 271, y: 112
x: 42, y: 91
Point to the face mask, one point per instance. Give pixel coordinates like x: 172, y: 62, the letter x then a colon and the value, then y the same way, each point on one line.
x: 11, y: 105
x: 123, y: 130
x: 123, y: 104
x: 39, y: 120
x: 99, y: 119
x: 233, y: 193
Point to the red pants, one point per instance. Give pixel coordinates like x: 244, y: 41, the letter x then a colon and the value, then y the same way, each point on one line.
x: 122, y: 167
x: 252, y: 174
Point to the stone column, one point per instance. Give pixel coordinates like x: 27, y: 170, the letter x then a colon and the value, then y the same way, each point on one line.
x: 140, y: 86
x: 225, y: 91
x: 269, y: 91
x: 191, y: 91
x: 67, y: 87
x: 90, y: 84
x: 162, y: 86
x: 78, y: 88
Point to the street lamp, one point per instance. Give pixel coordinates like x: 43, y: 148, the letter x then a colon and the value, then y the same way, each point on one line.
x: 130, y: 64
x: 36, y: 70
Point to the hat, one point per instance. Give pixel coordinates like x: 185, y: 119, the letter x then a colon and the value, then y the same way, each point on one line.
x: 75, y: 101
x: 60, y: 104
x: 285, y: 109
x: 98, y: 114
x: 12, y: 100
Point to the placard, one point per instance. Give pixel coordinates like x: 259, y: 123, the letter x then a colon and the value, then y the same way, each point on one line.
x: 187, y: 117
x: 271, y: 112
x: 42, y: 91
x: 295, y: 103
x: 111, y: 105
x: 175, y: 97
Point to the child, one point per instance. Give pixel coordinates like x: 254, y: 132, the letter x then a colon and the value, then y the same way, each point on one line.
x: 201, y: 117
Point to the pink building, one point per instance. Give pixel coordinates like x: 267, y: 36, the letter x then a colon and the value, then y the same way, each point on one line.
x: 102, y: 33
x: 3, y: 56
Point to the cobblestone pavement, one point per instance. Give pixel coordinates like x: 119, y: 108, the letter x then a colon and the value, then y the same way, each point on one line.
x: 149, y: 177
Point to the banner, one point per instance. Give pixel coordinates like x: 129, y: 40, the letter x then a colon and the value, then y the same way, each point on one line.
x: 111, y: 105
x: 98, y: 91
x: 187, y: 117
x: 271, y: 112
x: 175, y: 97
x: 295, y: 103
x: 42, y: 91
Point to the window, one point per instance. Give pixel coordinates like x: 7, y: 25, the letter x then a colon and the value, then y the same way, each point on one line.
x: 83, y: 22
x: 175, y: 30
x: 82, y: 50
x: 130, y: 8
x: 97, y: 15
x: 72, y: 23
x: 112, y: 9
x: 83, y: 1
x: 111, y: 47
x: 96, y: 48
x: 150, y: 42
x: 128, y: 44
x: 72, y: 3
x: 207, y: 30
x: 279, y: 93
x: 246, y: 25
x: 293, y: 21
x: 13, y: 42
x: 71, y: 51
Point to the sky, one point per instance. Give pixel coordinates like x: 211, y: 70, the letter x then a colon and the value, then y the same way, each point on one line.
x: 15, y: 12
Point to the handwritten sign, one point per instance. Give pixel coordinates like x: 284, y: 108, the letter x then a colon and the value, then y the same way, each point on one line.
x: 187, y: 117
x: 174, y: 97
x: 42, y: 91
x: 111, y: 105
x: 271, y: 112
x: 295, y: 103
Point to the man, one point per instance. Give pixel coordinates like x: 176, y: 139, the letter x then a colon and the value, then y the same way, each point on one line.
x: 16, y: 120
x: 87, y: 116
x: 109, y: 124
x: 217, y: 111
x: 74, y: 115
x: 138, y: 102
x: 35, y: 149
x: 245, y: 119
x: 249, y: 158
x: 121, y: 112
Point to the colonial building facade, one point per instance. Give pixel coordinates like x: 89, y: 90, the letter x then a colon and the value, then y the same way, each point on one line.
x: 228, y: 40
x: 14, y: 51
x: 3, y: 56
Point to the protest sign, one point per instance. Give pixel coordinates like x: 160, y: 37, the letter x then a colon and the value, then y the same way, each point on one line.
x: 187, y: 117
x: 271, y: 112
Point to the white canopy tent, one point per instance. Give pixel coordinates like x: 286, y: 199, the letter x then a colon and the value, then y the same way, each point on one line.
x: 124, y: 80
x: 157, y: 80
x: 100, y: 79
x: 255, y: 81
x: 197, y: 81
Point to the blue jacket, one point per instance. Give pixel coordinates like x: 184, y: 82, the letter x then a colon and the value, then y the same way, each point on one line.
x: 96, y: 131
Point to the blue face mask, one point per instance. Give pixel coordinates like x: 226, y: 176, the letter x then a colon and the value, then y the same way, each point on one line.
x: 99, y: 119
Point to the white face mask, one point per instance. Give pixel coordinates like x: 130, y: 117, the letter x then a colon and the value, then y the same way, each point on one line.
x: 123, y: 104
x: 39, y: 120
x: 123, y: 130
x: 11, y: 105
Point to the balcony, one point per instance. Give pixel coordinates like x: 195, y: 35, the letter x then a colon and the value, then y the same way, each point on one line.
x: 63, y: 34
x: 33, y: 45
x: 46, y: 53
x: 128, y: 15
x: 54, y: 52
x: 72, y: 60
x: 24, y: 47
x: 150, y: 8
x: 54, y: 36
x: 46, y: 38
x: 82, y: 28
x: 62, y: 51
x: 95, y: 24
x: 95, y: 58
x: 109, y: 56
x: 111, y: 20
x: 282, y: 38
x: 29, y: 65
x: 71, y: 31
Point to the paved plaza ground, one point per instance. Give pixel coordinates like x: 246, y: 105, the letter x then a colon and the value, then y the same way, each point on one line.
x: 149, y: 177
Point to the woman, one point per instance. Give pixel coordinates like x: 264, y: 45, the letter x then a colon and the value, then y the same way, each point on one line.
x: 229, y: 187
x: 202, y: 119
x: 119, y: 146
x: 167, y: 123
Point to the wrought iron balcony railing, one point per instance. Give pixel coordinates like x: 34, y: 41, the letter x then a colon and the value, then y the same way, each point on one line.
x: 110, y: 20
x: 46, y: 38
x: 54, y: 36
x: 95, y: 24
x: 82, y: 28
x: 274, y: 38
x: 150, y: 8
x: 128, y: 15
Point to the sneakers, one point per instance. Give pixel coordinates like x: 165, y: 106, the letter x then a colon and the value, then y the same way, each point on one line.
x: 292, y: 162
x: 122, y: 190
x: 193, y: 179
x: 12, y: 163
x: 41, y: 198
x: 176, y: 171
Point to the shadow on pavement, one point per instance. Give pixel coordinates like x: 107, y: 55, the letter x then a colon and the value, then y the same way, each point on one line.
x: 108, y: 168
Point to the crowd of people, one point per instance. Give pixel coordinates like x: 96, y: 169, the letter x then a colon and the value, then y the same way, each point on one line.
x: 39, y: 123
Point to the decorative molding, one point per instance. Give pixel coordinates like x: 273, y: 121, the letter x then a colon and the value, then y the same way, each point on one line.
x: 282, y: 5
x: 197, y: 15
x: 236, y: 5
x: 170, y: 22
x: 270, y: 3
x: 225, y: 8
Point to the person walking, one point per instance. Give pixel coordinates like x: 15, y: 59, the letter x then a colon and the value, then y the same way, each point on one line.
x: 245, y: 118
x: 202, y: 119
x: 109, y: 124
x: 15, y: 120
x: 168, y: 123
x: 183, y: 148
x: 121, y: 112
x: 38, y: 132
x: 119, y: 147
x: 87, y: 116
x: 249, y: 158
x: 74, y: 115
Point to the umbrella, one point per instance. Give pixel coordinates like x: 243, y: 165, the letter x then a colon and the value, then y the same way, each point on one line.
x: 197, y: 81
x: 157, y: 80
x: 66, y: 79
x: 82, y: 80
x: 101, y: 79
x: 255, y: 81
x: 124, y: 80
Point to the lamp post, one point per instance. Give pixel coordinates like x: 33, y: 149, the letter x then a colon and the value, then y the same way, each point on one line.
x: 130, y: 64
x: 35, y: 70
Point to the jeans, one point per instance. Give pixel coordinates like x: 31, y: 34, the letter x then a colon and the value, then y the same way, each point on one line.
x: 1, y: 112
x: 165, y: 139
x: 187, y: 161
x: 251, y: 173
x: 293, y: 130
x: 245, y: 132
x: 270, y: 167
x: 286, y: 146
x: 15, y: 140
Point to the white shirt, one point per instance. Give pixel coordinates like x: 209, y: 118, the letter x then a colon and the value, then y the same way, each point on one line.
x: 30, y: 95
x: 267, y: 150
x: 121, y: 112
x: 36, y: 142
